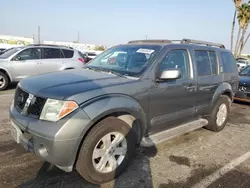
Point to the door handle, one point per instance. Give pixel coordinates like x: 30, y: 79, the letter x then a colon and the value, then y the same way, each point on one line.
x: 190, y: 87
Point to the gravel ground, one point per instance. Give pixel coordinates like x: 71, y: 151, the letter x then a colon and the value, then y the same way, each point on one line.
x: 178, y: 163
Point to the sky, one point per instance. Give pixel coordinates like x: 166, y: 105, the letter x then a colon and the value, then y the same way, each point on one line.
x: 112, y: 22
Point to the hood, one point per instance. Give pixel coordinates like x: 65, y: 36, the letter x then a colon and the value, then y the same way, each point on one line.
x: 244, y: 81
x: 64, y: 84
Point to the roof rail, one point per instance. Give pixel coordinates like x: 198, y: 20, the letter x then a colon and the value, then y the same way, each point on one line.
x: 149, y: 41
x: 55, y: 45
x: 183, y: 41
x: 191, y: 41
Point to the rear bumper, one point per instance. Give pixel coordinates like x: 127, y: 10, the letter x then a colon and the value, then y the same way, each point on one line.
x: 242, y: 96
x: 55, y: 142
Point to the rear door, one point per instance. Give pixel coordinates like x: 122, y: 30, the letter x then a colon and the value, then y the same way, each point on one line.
x: 26, y: 63
x: 208, y: 77
x: 52, y: 60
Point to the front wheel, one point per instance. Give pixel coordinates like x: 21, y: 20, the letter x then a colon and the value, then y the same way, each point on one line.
x: 4, y: 81
x: 219, y: 115
x: 106, y: 151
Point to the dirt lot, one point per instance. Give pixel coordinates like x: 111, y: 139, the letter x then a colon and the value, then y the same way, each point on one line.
x: 200, y: 159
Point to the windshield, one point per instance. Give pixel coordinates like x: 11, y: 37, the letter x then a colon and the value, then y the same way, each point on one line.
x: 9, y: 52
x: 129, y: 60
x: 245, y: 71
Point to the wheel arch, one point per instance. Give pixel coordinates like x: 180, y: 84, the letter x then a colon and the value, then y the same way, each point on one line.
x: 223, y: 89
x: 123, y: 107
x: 6, y: 72
x: 131, y: 113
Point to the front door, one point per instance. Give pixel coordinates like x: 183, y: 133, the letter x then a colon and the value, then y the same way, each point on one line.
x: 26, y: 63
x: 172, y: 101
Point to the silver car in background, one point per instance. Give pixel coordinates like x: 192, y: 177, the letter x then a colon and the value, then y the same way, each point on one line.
x: 20, y: 62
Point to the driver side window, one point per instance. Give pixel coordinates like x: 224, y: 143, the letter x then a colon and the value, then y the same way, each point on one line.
x: 176, y: 59
x: 28, y: 54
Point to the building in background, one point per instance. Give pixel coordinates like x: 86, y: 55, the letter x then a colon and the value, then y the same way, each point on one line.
x: 8, y: 41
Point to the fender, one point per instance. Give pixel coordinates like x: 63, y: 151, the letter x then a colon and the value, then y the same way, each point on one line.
x: 8, y: 72
x: 224, y: 88
x: 105, y: 105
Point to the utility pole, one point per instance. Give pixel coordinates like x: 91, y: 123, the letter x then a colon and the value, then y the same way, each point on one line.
x: 78, y: 37
x: 38, y: 36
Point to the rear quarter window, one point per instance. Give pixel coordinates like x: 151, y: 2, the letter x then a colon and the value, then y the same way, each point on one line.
x: 68, y: 53
x: 228, y: 62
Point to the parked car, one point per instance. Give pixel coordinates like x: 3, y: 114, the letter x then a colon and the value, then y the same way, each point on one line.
x: 87, y: 56
x: 243, y: 93
x: 90, y: 56
x: 4, y: 50
x: 242, y: 64
x: 20, y: 62
x: 92, y: 119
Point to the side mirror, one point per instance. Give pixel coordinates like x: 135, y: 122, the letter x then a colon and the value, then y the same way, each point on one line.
x: 170, y: 74
x: 17, y: 58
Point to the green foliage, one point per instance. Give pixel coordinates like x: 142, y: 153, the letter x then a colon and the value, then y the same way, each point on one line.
x: 99, y: 48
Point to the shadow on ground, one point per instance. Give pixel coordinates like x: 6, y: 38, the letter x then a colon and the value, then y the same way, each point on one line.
x: 50, y: 177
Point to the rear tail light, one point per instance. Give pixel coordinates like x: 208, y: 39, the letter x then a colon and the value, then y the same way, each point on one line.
x: 81, y: 59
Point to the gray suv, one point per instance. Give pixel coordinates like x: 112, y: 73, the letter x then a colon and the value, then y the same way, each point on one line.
x: 93, y: 119
x: 20, y: 62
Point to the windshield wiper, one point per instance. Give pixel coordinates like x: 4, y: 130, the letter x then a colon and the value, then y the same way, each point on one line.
x: 107, y: 71
x: 116, y: 73
x: 94, y: 69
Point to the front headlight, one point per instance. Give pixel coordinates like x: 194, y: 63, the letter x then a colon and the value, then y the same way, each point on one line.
x: 54, y: 110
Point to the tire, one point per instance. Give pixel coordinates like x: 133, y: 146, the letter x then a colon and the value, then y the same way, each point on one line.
x: 85, y: 165
x: 213, y: 124
x: 5, y: 80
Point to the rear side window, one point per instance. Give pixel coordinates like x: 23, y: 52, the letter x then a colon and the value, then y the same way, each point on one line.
x: 229, y: 63
x: 206, y: 62
x: 52, y: 53
x: 68, y: 53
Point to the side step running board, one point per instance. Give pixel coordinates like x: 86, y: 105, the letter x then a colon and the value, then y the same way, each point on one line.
x: 173, y: 132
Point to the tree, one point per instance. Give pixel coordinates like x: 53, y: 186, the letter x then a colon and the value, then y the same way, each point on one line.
x: 243, y: 43
x: 243, y: 19
x: 100, y: 48
x: 237, y: 4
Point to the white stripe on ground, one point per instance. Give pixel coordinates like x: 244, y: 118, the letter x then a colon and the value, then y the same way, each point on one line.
x: 2, y: 130
x: 222, y: 171
x: 7, y: 95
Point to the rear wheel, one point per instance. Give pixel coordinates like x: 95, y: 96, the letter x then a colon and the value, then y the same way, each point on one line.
x: 106, y: 151
x: 4, y: 81
x: 219, y: 115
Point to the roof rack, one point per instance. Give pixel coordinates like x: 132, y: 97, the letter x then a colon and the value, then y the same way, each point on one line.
x: 183, y: 41
x: 149, y: 41
x: 55, y: 45
x: 191, y: 41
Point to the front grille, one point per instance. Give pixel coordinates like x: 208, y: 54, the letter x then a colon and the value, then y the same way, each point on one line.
x: 36, y: 106
x: 20, y: 99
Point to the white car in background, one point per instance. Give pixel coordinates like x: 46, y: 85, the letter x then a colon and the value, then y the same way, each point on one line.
x: 242, y: 63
